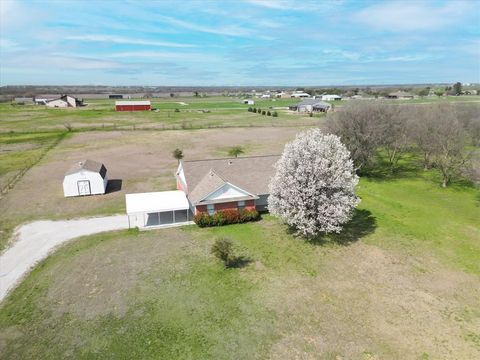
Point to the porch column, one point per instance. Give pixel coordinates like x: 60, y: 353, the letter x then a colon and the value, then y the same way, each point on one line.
x: 174, y: 216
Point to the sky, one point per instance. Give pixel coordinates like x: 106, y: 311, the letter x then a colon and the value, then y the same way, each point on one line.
x: 239, y: 42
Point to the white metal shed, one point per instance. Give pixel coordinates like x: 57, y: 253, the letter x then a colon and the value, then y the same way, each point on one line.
x: 156, y: 209
x: 87, y: 177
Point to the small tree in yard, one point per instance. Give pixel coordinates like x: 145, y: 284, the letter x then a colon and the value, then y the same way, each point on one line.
x: 235, y: 151
x: 223, y: 249
x: 313, y: 189
x: 178, y: 154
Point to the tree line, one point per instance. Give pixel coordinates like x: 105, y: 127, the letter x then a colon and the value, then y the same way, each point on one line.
x: 445, y: 135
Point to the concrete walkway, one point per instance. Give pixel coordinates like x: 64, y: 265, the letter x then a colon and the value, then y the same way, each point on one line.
x: 35, y: 241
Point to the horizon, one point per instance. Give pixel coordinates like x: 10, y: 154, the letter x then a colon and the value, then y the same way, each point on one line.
x: 250, y: 43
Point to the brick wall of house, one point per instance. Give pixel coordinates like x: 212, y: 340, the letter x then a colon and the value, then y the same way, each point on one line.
x: 233, y: 205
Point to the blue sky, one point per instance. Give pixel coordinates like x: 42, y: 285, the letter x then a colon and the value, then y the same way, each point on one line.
x: 241, y: 42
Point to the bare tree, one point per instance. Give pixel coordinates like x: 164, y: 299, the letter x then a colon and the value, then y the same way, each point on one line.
x: 421, y: 127
x: 357, y: 126
x: 451, y: 156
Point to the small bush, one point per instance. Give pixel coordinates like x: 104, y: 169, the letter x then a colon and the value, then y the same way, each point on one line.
x: 254, y: 110
x: 275, y: 114
x: 223, y: 249
x: 311, y: 115
x: 250, y: 109
x: 177, y: 110
x: 269, y: 113
x: 225, y: 217
x: 264, y: 112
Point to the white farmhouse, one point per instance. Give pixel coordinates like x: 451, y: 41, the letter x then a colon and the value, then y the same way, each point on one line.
x: 300, y: 94
x: 85, y: 178
x: 331, y: 97
x: 248, y: 101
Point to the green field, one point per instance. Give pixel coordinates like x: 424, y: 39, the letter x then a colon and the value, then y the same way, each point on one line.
x: 409, y: 264
x: 101, y: 115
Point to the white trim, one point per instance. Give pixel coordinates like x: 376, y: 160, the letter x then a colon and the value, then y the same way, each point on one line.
x: 223, y: 200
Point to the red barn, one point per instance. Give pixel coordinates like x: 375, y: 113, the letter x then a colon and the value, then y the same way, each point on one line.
x: 132, y: 105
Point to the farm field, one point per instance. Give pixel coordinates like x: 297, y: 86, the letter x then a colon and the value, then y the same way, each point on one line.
x: 401, y: 282
x: 137, y: 161
x: 101, y: 115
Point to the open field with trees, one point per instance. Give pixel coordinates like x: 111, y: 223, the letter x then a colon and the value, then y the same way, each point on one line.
x: 402, y: 280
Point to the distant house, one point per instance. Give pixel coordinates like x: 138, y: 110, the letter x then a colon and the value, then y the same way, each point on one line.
x: 87, y: 177
x: 248, y: 101
x: 143, y: 105
x: 331, y: 97
x: 115, y: 96
x: 24, y: 100
x: 400, y: 95
x: 64, y: 101
x: 300, y: 94
x: 311, y: 105
x: 229, y: 183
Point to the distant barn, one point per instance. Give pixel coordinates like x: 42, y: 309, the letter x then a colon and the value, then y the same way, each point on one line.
x: 143, y: 105
x: 87, y: 177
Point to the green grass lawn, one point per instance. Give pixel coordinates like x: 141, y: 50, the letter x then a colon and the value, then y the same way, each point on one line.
x: 401, y: 281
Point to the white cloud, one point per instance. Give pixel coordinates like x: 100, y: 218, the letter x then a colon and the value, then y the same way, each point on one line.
x: 125, y: 40
x: 220, y: 30
x: 412, y: 15
x: 271, y: 4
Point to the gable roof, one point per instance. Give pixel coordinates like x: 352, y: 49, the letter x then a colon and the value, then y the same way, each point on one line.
x: 251, y: 174
x: 88, y: 165
x: 314, y: 102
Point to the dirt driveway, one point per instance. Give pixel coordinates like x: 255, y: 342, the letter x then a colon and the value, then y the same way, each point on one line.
x: 34, y: 241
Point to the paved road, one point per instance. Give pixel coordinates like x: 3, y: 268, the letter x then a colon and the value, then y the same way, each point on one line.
x: 36, y: 240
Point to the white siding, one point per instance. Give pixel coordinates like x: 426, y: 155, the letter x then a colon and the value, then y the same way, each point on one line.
x: 227, y: 191
x: 98, y: 185
x: 57, y: 103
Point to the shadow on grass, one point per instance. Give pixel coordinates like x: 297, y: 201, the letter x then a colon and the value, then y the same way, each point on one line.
x: 114, y: 185
x: 362, y: 224
x: 239, y: 262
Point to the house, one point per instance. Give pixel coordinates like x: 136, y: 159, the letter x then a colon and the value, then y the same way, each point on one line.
x: 331, y: 97
x: 248, y: 101
x: 87, y: 177
x: 311, y: 105
x: 400, y: 95
x: 300, y: 94
x: 143, y: 105
x: 115, y: 96
x: 64, y: 101
x: 228, y: 183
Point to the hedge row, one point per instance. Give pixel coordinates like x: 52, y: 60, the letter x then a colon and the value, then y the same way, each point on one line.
x: 225, y: 217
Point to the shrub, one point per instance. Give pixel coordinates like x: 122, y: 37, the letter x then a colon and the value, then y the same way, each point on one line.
x: 250, y: 109
x: 177, y: 110
x: 254, y: 110
x: 264, y: 112
x: 225, y: 217
x: 274, y: 114
x: 223, y: 249
x: 269, y: 113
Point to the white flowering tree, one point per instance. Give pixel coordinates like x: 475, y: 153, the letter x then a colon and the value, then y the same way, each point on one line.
x: 313, y: 189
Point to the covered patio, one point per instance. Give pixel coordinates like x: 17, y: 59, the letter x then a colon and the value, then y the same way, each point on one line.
x: 158, y: 209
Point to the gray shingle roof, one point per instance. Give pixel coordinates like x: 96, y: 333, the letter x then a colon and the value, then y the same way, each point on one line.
x: 251, y: 174
x: 88, y: 165
x: 315, y: 102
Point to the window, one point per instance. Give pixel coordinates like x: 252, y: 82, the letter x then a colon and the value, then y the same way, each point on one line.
x: 211, y: 209
x: 241, y: 205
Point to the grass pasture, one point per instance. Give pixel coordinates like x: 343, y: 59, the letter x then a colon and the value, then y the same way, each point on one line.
x: 401, y: 282
x: 101, y: 115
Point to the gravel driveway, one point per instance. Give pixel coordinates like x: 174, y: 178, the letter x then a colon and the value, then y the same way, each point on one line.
x: 35, y: 241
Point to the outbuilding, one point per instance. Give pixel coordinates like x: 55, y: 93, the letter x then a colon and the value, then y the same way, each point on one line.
x: 143, y: 105
x: 87, y: 177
